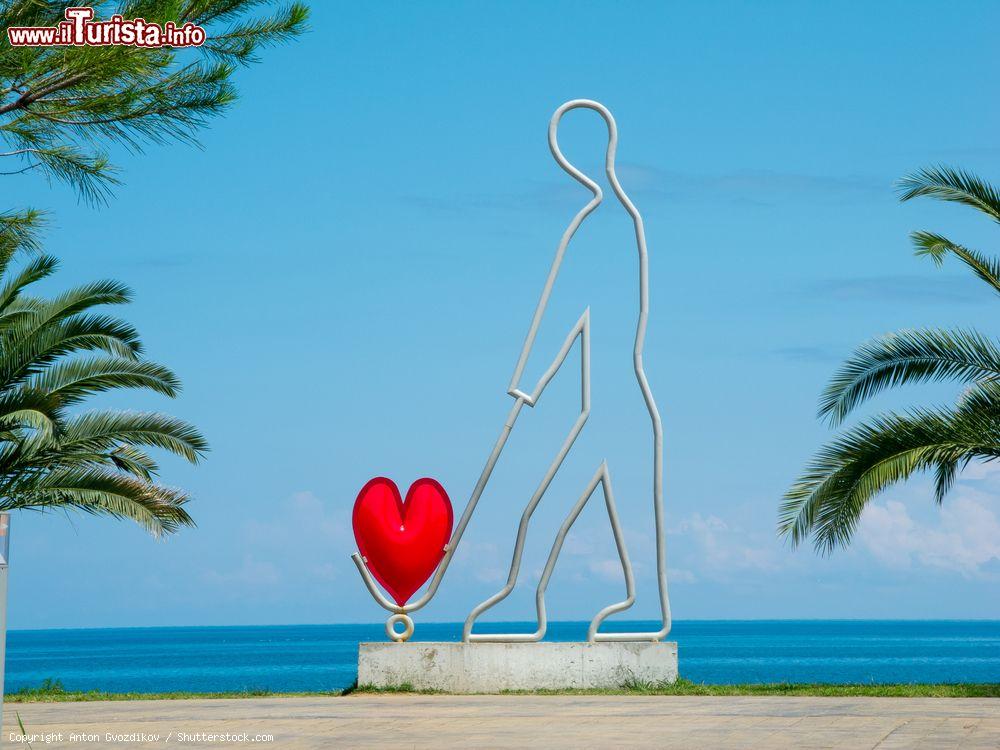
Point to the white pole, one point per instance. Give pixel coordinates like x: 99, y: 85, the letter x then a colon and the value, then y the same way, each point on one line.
x: 4, y: 552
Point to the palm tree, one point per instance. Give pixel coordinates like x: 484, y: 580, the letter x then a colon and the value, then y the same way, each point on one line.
x: 54, y: 353
x: 830, y: 496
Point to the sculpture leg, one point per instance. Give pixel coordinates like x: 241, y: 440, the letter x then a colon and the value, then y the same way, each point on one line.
x: 515, y: 563
x: 661, y: 558
x: 602, y: 477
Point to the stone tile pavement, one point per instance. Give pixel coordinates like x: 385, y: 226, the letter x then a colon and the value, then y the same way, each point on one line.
x: 516, y: 721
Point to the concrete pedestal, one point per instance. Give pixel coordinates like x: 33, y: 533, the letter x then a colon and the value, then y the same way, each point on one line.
x: 493, y: 667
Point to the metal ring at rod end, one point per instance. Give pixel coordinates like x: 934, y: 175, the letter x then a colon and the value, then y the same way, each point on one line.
x: 390, y: 627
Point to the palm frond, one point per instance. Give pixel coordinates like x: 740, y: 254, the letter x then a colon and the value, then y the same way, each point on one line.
x: 17, y: 423
x: 828, y: 500
x: 73, y: 380
x: 955, y: 185
x: 909, y: 357
x: 945, y: 474
x: 32, y: 410
x: 102, y: 430
x: 36, y: 270
x: 156, y: 508
x: 981, y: 399
x: 19, y: 230
x: 29, y: 350
x: 82, y: 298
x: 133, y: 461
x: 54, y: 354
x: 937, y: 247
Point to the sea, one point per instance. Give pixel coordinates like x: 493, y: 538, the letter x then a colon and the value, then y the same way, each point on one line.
x: 289, y: 658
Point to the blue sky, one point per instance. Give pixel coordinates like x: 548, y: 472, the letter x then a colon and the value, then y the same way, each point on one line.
x: 344, y: 275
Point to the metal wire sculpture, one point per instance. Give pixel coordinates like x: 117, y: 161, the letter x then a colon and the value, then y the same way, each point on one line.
x: 601, y: 477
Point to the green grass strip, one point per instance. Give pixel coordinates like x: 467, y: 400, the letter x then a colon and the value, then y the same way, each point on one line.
x: 53, y: 691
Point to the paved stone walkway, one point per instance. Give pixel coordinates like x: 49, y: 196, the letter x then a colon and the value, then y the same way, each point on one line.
x: 367, y: 721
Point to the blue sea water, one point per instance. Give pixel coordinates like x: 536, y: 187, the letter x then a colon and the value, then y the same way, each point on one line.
x: 324, y: 657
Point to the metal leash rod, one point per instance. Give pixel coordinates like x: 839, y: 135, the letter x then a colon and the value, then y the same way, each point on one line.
x: 456, y: 536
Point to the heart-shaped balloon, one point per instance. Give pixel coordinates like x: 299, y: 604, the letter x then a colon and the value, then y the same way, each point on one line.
x: 402, y: 542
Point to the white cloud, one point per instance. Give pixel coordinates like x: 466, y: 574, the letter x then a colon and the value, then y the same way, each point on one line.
x: 608, y: 569
x: 300, y: 542
x: 251, y: 573
x: 481, y: 559
x: 575, y: 544
x: 326, y: 571
x: 981, y: 470
x: 589, y: 552
x: 964, y: 538
x: 702, y: 547
x: 680, y: 575
x: 718, y: 549
x: 302, y: 518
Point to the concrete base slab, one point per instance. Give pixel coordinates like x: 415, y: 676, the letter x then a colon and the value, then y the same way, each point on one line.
x: 494, y: 667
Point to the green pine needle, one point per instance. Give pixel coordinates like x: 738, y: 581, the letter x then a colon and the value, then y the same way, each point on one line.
x: 61, y: 107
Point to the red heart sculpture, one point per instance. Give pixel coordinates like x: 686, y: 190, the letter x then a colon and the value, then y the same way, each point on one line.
x: 402, y: 542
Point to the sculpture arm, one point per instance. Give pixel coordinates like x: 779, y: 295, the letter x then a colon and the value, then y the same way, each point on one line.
x: 580, y: 330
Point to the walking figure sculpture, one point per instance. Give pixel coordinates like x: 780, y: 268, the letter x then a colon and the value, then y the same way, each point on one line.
x: 602, y: 476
